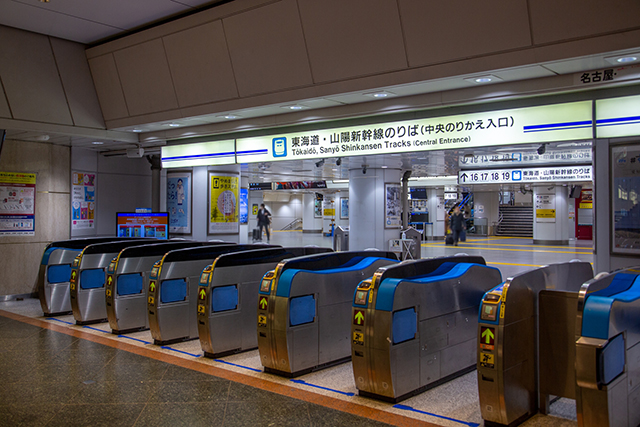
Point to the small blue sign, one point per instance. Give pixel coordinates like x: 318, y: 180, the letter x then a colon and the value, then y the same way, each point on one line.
x: 516, y: 175
x: 279, y: 147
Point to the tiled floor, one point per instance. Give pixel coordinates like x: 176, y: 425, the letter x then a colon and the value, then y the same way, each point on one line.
x: 53, y: 372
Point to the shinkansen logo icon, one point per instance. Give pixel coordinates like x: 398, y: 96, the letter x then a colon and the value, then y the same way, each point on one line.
x: 280, y: 147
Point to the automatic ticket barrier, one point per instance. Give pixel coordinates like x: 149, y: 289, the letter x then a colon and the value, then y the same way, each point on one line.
x: 608, y: 351
x: 88, y: 278
x: 228, y: 297
x: 526, y: 342
x: 55, y: 273
x: 413, y: 325
x: 173, y: 290
x: 304, y: 309
x: 127, y: 284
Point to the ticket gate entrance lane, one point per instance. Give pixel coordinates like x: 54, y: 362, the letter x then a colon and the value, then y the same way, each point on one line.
x: 414, y: 325
x: 173, y: 289
x: 305, y: 325
x: 608, y: 350
x: 228, y: 297
x: 127, y: 284
x: 88, y: 278
x: 55, y: 272
x: 526, y: 329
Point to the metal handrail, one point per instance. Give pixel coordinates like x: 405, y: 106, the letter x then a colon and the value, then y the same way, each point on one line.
x: 296, y: 224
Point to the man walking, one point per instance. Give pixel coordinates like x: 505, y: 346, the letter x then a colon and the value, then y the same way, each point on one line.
x: 264, y: 219
x: 457, y: 224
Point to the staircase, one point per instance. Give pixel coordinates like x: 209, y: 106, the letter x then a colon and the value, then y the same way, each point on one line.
x: 516, y: 221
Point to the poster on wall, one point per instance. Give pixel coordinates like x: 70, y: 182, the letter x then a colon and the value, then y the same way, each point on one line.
x: 545, y: 208
x: 440, y: 210
x: 625, y: 196
x: 317, y: 208
x: 179, y: 195
x: 224, y: 212
x: 18, y: 204
x: 244, y: 206
x: 392, y: 206
x: 344, y: 208
x: 83, y: 200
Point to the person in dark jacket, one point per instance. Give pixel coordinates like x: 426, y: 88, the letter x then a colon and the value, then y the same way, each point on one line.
x: 264, y: 219
x: 457, y: 224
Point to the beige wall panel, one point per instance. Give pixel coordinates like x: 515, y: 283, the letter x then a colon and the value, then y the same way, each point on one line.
x: 107, y: 83
x: 553, y: 21
x: 352, y: 38
x: 4, y: 106
x: 53, y: 216
x: 200, y: 65
x: 19, y: 264
x: 30, y: 78
x: 438, y: 31
x: 146, y: 79
x: 267, y: 49
x: 77, y: 83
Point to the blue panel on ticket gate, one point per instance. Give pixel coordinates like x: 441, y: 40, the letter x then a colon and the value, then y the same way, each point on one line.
x: 92, y: 279
x: 130, y: 284
x: 59, y: 273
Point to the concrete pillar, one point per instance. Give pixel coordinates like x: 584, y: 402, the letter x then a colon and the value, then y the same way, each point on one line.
x: 156, y: 169
x: 367, y: 208
x: 550, y: 215
x: 310, y: 224
x: 245, y: 231
x: 487, y: 205
x: 328, y: 213
x: 435, y: 205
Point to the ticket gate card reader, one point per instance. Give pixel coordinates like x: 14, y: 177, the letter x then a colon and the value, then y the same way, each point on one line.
x: 173, y: 291
x: 608, y: 351
x: 55, y: 272
x: 88, y: 278
x: 524, y: 339
x: 304, y: 308
x: 228, y: 297
x: 414, y: 325
x: 127, y: 284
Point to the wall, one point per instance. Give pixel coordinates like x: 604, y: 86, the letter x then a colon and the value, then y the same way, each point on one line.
x: 122, y: 185
x: 20, y: 255
x: 282, y: 213
x: 208, y: 62
x: 491, y: 204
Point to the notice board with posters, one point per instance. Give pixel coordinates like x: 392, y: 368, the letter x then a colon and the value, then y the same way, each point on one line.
x: 224, y: 212
x: 83, y: 200
x: 17, y: 203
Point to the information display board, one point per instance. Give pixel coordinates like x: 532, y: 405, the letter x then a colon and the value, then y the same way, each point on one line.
x: 131, y: 224
x: 625, y: 197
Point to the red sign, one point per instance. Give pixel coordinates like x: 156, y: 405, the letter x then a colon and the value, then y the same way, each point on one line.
x: 487, y: 337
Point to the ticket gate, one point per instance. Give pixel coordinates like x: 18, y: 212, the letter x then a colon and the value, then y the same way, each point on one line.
x: 608, y: 351
x: 127, y: 284
x: 55, y: 273
x: 526, y: 342
x: 88, y: 277
x: 304, y: 325
x: 228, y: 297
x: 173, y: 289
x: 414, y: 325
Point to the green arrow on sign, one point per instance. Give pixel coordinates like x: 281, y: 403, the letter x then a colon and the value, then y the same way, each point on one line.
x: 152, y: 286
x: 203, y: 293
x: 263, y: 303
x: 487, y: 335
x: 73, y: 274
x: 109, y: 280
x: 359, y: 317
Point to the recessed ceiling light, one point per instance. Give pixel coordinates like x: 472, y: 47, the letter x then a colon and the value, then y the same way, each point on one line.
x: 625, y: 58
x: 380, y: 94
x: 173, y: 125
x: 294, y: 107
x: 483, y: 79
x: 136, y: 130
x: 229, y: 116
x: 384, y: 167
x: 97, y: 142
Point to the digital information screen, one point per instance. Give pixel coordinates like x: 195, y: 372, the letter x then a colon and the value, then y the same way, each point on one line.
x: 143, y: 225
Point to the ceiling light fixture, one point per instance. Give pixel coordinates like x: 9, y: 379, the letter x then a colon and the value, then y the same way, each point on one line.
x: 97, y: 142
x: 380, y: 94
x: 136, y: 130
x: 173, y: 125
x: 625, y: 58
x: 229, y: 116
x: 294, y: 107
x: 489, y: 78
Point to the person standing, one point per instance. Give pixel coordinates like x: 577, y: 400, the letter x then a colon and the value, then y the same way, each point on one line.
x: 264, y: 219
x: 457, y: 224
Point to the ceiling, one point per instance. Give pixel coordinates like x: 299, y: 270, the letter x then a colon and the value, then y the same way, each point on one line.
x: 91, y: 22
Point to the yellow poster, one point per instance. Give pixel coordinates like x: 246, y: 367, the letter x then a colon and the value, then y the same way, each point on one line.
x: 224, y: 214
